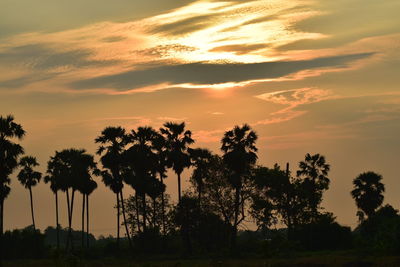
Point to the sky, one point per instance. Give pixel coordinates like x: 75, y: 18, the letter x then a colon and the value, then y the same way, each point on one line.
x: 309, y: 76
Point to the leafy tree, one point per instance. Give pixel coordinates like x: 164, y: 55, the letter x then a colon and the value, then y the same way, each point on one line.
x: 113, y: 142
x: 368, y: 192
x: 29, y: 178
x: 177, y: 141
x: 314, y: 174
x: 9, y: 153
x: 240, y: 156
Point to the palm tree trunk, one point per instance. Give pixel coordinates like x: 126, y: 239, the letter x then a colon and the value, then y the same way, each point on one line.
x: 1, y: 230
x: 57, y: 224
x: 154, y: 212
x: 179, y: 187
x: 236, y: 216
x: 69, y: 219
x: 200, y: 188
x: 162, y: 207
x: 144, y: 211
x: 83, y: 220
x: 125, y: 224
x: 117, y: 220
x: 33, y: 217
x: 87, y: 220
x: 137, y: 211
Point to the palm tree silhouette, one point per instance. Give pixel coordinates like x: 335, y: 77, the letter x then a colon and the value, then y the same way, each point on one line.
x: 91, y: 186
x: 314, y: 171
x: 53, y: 177
x: 368, y: 192
x: 177, y: 142
x: 142, y: 162
x: 69, y: 167
x: 200, y: 160
x: 160, y: 150
x: 9, y: 153
x: 113, y: 142
x: 240, y: 155
x: 29, y: 178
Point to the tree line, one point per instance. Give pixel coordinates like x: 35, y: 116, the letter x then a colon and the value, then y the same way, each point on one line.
x: 227, y: 190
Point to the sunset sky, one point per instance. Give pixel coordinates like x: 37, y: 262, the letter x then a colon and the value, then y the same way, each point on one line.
x: 311, y: 76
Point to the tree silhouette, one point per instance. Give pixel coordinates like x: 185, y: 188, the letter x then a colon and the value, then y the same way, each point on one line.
x: 113, y: 142
x: 70, y: 167
x: 53, y: 177
x: 314, y: 173
x: 29, y: 178
x: 200, y: 160
x: 368, y: 192
x: 9, y: 153
x: 240, y: 155
x: 160, y: 150
x: 142, y: 162
x: 177, y: 142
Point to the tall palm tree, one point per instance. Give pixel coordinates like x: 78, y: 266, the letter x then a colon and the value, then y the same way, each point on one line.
x: 51, y: 178
x: 113, y: 142
x: 368, y: 192
x: 160, y: 150
x: 314, y: 172
x: 239, y: 156
x: 177, y: 141
x: 9, y: 153
x: 200, y: 160
x: 92, y: 185
x: 142, y: 161
x: 69, y: 167
x: 29, y: 178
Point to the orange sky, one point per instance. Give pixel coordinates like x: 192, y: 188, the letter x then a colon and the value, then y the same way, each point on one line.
x: 308, y: 75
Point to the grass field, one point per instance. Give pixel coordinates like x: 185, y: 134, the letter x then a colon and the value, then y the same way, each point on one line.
x: 305, y: 260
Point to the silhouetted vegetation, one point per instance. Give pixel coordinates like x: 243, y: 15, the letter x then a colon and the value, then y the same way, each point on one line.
x: 226, y: 193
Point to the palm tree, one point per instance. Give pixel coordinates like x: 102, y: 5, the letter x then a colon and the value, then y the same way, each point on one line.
x: 86, y: 184
x: 29, y: 178
x: 92, y: 185
x: 51, y: 178
x: 314, y: 171
x: 160, y: 150
x: 239, y: 156
x: 142, y: 162
x: 9, y: 153
x: 200, y: 160
x: 177, y: 142
x: 368, y: 192
x: 113, y: 142
x: 68, y: 168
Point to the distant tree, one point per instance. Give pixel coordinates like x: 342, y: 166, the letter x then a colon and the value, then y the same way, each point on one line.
x: 314, y: 174
x: 113, y: 142
x: 9, y: 153
x: 177, y: 141
x: 368, y: 192
x: 240, y: 156
x: 29, y: 178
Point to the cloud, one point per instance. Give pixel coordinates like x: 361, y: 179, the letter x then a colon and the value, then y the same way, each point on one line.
x: 43, y: 57
x: 208, y: 73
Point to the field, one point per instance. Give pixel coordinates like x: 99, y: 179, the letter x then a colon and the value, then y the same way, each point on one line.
x: 335, y: 259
